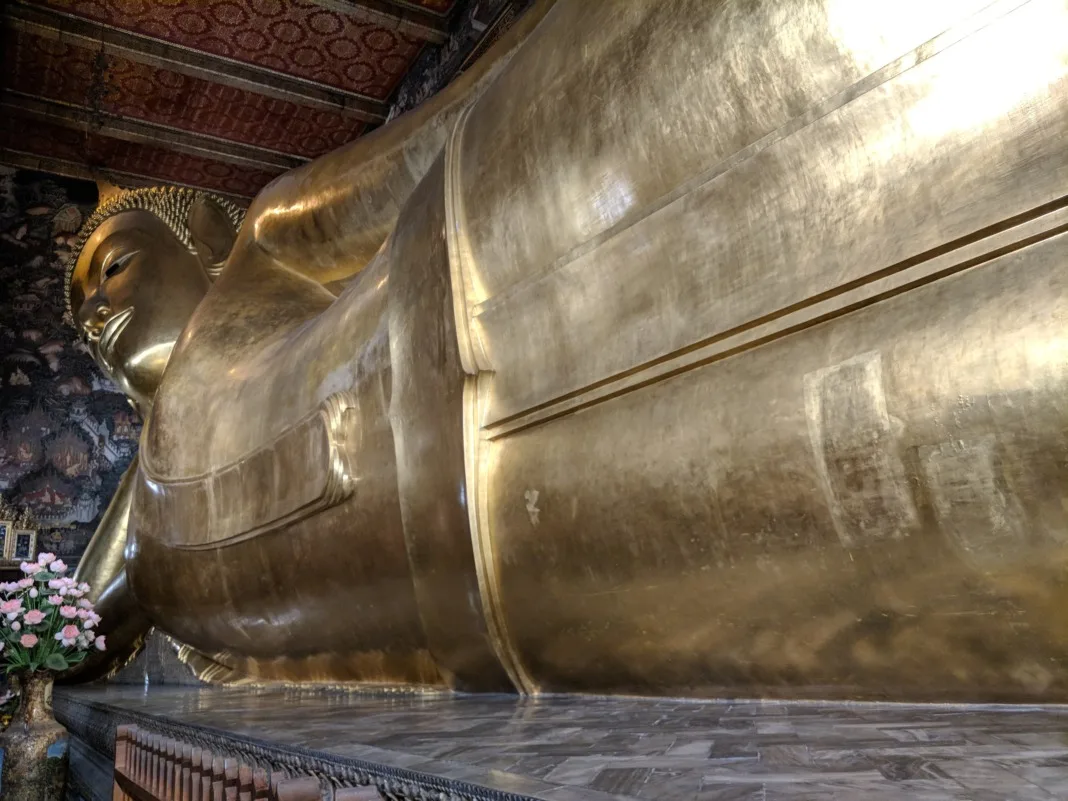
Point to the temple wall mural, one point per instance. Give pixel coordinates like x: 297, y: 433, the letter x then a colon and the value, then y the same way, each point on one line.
x: 66, y: 433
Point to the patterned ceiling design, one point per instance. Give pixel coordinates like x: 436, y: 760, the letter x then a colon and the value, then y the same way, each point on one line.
x: 292, y: 36
x: 220, y: 94
x: 59, y: 71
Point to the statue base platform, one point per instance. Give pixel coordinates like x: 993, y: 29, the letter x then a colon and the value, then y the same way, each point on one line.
x: 569, y: 748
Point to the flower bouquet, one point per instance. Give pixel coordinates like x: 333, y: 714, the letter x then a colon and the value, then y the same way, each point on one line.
x: 47, y: 625
x: 47, y: 622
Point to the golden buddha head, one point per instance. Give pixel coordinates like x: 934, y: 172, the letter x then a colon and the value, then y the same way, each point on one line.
x: 142, y: 263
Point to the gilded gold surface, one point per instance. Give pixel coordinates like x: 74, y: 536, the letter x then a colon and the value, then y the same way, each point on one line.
x: 684, y: 348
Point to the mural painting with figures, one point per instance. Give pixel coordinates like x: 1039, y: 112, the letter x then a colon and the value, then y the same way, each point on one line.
x: 66, y: 433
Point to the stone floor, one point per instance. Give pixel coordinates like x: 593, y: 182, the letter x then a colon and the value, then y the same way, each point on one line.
x: 598, y: 749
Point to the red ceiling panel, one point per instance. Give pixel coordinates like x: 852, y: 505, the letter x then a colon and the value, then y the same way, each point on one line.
x: 297, y: 38
x: 57, y: 71
x: 292, y: 36
x: 43, y: 139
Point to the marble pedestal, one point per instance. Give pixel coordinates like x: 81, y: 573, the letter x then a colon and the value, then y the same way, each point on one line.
x: 564, y: 749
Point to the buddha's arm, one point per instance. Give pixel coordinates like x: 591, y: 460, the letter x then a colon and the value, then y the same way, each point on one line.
x: 103, y: 559
x: 327, y: 220
x: 103, y: 567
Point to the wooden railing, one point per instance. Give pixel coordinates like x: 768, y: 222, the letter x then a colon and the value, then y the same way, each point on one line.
x: 150, y: 767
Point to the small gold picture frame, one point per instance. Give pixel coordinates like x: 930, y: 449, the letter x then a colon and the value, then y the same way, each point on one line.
x: 18, y: 534
x: 24, y: 548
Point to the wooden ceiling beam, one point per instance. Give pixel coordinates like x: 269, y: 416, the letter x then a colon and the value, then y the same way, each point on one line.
x: 57, y: 25
x: 133, y: 130
x: 400, y: 17
x: 21, y: 160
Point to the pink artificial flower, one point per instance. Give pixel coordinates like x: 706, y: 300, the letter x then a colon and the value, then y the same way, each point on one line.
x: 82, y: 614
x: 69, y: 612
x: 28, y: 640
x: 55, y: 600
x: 24, y: 583
x: 34, y: 593
x: 16, y: 626
x: 55, y: 584
x: 89, y: 635
x: 14, y: 605
x: 29, y: 568
x: 34, y: 617
x: 99, y: 643
x: 58, y: 566
x: 85, y: 603
x: 88, y: 625
x: 45, y: 558
x: 9, y: 586
x: 68, y: 636
x: 94, y: 617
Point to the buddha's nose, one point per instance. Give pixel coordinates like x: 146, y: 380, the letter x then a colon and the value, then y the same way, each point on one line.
x: 93, y: 314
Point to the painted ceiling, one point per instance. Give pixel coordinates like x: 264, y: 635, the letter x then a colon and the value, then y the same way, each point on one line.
x: 220, y: 94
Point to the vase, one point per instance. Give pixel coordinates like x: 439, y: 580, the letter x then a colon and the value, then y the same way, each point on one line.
x: 34, y: 745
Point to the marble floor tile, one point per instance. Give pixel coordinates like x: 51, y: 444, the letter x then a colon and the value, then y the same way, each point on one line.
x: 598, y: 749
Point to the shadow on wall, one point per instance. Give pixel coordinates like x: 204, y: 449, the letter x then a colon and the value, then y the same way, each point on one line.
x: 66, y: 433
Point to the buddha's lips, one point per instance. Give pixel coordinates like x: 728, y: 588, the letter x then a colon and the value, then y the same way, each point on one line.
x: 113, y: 328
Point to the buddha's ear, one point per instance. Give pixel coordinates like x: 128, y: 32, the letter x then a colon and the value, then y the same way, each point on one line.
x: 212, y: 233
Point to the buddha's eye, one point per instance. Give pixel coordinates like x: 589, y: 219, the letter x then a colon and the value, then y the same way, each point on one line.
x: 119, y: 264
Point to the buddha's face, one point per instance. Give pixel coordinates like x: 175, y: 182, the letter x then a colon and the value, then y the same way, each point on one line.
x: 134, y: 288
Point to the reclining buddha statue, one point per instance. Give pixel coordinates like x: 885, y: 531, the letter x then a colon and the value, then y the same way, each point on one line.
x: 681, y: 347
